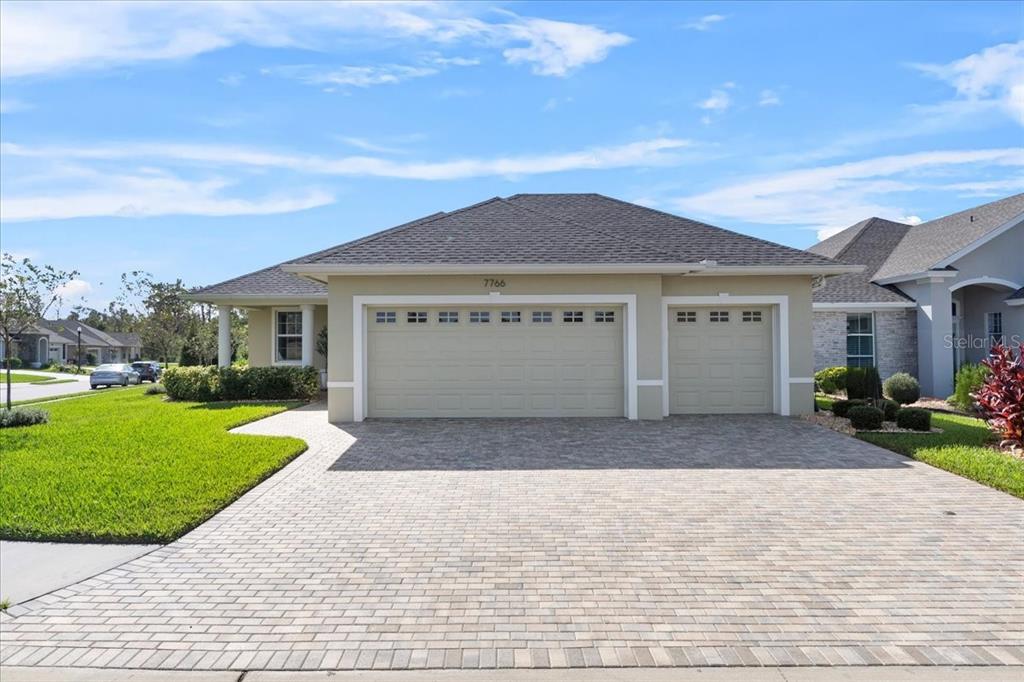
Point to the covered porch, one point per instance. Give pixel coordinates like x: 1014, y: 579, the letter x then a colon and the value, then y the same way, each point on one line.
x: 983, y: 314
x: 280, y: 333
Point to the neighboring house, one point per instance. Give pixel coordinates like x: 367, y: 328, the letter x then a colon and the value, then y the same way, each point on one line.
x: 97, y: 345
x: 932, y: 296
x: 541, y: 305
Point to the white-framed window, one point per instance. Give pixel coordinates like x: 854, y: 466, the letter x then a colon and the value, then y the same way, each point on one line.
x: 416, y: 317
x: 510, y: 316
x: 860, y: 340
x: 686, y: 316
x: 994, y: 328
x: 718, y: 316
x: 751, y: 316
x: 572, y: 316
x: 448, y: 317
x: 479, y: 317
x: 604, y: 316
x: 541, y: 316
x: 386, y: 317
x: 288, y: 336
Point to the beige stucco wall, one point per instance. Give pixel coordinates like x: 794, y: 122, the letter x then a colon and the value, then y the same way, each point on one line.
x: 261, y: 334
x: 648, y: 290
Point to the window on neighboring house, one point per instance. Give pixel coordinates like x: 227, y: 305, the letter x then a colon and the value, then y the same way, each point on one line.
x: 604, y: 316
x: 448, y: 317
x: 572, y: 316
x: 416, y: 317
x: 386, y: 317
x: 289, y: 336
x: 994, y: 328
x: 860, y: 340
x: 541, y: 316
x: 479, y: 317
x: 511, y: 316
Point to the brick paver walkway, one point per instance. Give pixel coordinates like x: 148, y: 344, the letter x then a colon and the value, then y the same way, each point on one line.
x: 693, y: 541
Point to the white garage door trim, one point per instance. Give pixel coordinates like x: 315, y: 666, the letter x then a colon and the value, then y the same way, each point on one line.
x: 361, y: 303
x: 780, y: 340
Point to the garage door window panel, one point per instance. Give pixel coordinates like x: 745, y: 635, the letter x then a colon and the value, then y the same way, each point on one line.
x: 511, y: 316
x: 448, y: 317
x: 479, y: 317
x: 718, y: 316
x: 386, y: 317
x: 572, y: 316
x: 686, y: 316
x: 604, y: 316
x: 541, y: 317
x: 416, y: 317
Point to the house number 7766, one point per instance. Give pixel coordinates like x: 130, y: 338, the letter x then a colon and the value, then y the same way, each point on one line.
x: 494, y: 283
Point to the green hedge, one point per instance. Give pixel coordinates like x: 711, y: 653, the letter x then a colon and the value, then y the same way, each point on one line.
x: 840, y: 408
x: 865, y: 418
x: 969, y: 379
x: 205, y: 384
x: 914, y: 418
x: 831, y: 379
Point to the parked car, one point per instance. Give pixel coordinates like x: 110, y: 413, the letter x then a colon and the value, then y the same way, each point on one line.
x: 113, y: 375
x: 148, y: 370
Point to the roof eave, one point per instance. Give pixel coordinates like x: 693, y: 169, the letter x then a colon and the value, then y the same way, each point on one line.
x: 925, y: 274
x: 257, y: 299
x: 326, y: 270
x: 981, y: 241
x: 836, y: 269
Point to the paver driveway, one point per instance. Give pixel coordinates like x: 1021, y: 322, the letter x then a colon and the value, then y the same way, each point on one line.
x: 693, y: 541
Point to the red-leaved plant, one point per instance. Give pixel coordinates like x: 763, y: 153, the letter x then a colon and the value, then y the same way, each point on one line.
x: 1001, y: 397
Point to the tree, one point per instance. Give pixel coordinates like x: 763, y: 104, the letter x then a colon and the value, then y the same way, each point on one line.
x: 169, y: 317
x: 27, y: 293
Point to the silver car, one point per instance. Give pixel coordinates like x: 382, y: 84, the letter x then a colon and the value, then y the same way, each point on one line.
x: 113, y: 375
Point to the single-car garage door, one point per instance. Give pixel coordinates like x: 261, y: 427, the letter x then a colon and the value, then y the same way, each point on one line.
x: 720, y: 360
x: 513, y: 361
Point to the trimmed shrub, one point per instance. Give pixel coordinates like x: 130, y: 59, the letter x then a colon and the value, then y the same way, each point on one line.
x: 203, y: 384
x: 14, y: 362
x: 22, y: 416
x: 831, y: 379
x: 156, y: 389
x: 969, y: 379
x: 865, y: 418
x: 199, y: 384
x: 840, y: 408
x: 1002, y: 394
x: 902, y: 388
x: 889, y: 409
x: 914, y: 418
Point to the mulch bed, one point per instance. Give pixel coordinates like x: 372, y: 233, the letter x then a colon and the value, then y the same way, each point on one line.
x: 842, y: 425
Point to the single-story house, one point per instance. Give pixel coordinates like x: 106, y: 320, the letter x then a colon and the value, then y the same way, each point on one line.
x: 61, y: 343
x: 932, y: 296
x: 541, y: 305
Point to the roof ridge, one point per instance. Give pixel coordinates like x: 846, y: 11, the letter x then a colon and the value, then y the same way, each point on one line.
x: 973, y: 209
x: 569, y: 221
x: 860, y: 225
x: 713, y: 227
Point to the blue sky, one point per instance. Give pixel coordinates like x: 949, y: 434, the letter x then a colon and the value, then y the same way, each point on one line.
x: 206, y: 140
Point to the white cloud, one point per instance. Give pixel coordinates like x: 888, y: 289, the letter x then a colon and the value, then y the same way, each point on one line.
x: 148, y: 193
x: 911, y: 219
x: 769, y: 98
x: 992, y: 77
x: 705, y: 23
x: 369, y: 146
x: 10, y: 106
x: 232, y: 80
x: 76, y: 288
x: 834, y: 197
x: 43, y: 38
x: 718, y: 101
x: 350, y: 76
x: 658, y: 151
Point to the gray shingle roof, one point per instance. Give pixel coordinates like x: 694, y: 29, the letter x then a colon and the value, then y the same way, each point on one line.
x: 560, y: 229
x: 867, y: 243
x: 68, y: 329
x: 272, y: 281
x: 927, y: 244
x: 125, y: 338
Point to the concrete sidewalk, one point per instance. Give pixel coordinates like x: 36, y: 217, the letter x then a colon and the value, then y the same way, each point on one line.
x: 810, y: 674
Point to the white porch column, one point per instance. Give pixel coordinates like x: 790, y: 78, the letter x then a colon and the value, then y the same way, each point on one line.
x: 223, y: 335
x: 307, y: 334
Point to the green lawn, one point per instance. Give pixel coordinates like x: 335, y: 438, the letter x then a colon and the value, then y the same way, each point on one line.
x: 961, y: 449
x: 123, y: 466
x: 21, y: 378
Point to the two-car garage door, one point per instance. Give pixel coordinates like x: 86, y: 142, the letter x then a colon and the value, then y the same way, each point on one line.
x: 484, y: 361
x: 558, y: 361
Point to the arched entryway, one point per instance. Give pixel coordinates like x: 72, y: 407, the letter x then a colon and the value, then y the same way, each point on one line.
x: 981, y: 317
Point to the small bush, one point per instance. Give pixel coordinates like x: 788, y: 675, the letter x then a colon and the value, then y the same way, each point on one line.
x: 840, y: 408
x: 204, y: 384
x: 969, y: 379
x: 902, y: 388
x: 199, y: 384
x: 914, y: 418
x: 865, y: 418
x: 14, y: 363
x: 1002, y: 394
x: 861, y: 383
x: 22, y: 416
x: 889, y: 409
x: 831, y: 379
x: 156, y: 389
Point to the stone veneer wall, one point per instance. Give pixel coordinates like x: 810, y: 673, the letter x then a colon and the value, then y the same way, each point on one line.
x: 895, y: 341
